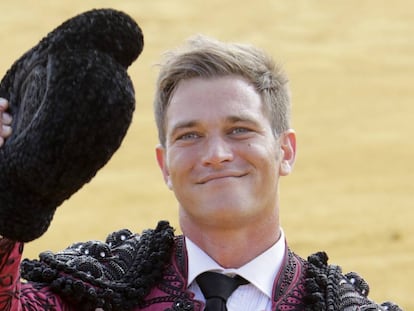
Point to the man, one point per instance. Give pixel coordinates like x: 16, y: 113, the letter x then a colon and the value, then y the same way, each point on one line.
x: 222, y: 112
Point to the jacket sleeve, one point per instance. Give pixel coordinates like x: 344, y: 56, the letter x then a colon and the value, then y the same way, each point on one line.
x: 16, y: 295
x: 353, y: 292
x: 330, y: 289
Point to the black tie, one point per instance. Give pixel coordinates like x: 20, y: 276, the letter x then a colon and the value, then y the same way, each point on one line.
x: 217, y: 287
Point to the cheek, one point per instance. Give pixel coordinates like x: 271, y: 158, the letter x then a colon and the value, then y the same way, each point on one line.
x: 261, y: 155
x: 267, y: 166
x: 180, y: 165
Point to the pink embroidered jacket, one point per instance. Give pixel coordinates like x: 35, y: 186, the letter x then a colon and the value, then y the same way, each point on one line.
x: 91, y: 276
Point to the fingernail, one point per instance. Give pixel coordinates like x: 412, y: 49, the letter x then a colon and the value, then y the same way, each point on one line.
x: 3, y: 101
x: 7, y: 118
x: 6, y: 130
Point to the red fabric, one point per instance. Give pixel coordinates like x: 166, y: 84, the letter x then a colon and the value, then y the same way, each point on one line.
x: 18, y: 296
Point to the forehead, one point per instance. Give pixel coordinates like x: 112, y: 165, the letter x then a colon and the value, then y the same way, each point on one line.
x: 213, y: 97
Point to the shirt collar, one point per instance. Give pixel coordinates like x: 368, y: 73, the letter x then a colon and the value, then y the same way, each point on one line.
x: 261, y: 271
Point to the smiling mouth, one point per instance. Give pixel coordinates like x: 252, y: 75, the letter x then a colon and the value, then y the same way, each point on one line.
x: 217, y: 177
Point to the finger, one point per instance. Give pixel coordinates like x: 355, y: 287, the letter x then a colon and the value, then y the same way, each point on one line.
x: 6, y: 118
x: 1, y: 141
x: 5, y: 131
x: 4, y: 104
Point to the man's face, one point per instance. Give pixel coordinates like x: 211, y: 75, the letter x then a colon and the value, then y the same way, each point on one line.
x: 221, y: 158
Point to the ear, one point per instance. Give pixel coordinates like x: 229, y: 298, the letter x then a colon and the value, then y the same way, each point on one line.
x: 161, y: 159
x: 288, y: 152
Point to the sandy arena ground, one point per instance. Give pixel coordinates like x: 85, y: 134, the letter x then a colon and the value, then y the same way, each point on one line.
x: 351, y: 68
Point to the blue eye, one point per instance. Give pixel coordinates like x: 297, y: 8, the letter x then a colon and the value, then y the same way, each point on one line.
x: 239, y: 130
x: 188, y: 136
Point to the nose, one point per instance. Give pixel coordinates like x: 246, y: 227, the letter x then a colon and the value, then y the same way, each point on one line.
x: 216, y: 152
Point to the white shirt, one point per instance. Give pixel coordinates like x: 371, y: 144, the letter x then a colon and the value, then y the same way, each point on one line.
x: 260, y: 272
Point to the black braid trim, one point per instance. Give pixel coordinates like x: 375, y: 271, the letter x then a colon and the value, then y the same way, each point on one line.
x: 359, y: 283
x: 115, y: 275
x: 328, y: 289
x: 321, y: 282
x: 390, y: 306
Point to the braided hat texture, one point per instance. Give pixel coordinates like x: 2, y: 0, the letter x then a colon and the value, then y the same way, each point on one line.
x: 72, y: 102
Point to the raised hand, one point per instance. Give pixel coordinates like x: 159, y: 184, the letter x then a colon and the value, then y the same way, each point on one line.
x: 5, y: 121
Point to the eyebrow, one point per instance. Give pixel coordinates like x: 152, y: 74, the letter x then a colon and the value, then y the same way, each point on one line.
x: 230, y: 119
x: 241, y: 118
x: 183, y: 125
x: 244, y: 118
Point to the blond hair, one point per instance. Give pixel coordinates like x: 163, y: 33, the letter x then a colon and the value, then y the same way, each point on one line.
x: 203, y: 57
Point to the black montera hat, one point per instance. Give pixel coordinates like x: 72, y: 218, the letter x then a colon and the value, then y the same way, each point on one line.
x: 72, y: 102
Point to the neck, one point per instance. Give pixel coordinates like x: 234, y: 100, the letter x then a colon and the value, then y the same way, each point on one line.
x: 233, y: 247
